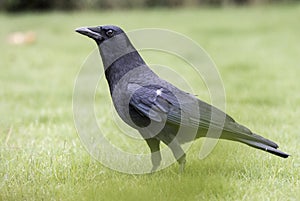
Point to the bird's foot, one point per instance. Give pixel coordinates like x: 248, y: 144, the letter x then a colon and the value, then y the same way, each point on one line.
x: 181, y: 168
x: 182, y: 162
x: 154, y: 168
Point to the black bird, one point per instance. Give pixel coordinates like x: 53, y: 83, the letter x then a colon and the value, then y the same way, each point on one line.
x: 156, y: 108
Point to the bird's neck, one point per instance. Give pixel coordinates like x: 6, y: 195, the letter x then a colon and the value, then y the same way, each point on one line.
x: 121, y: 67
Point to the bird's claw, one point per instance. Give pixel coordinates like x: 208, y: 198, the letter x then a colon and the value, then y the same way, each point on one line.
x: 182, y: 162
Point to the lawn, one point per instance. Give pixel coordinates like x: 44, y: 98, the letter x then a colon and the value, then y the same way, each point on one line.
x: 256, y: 51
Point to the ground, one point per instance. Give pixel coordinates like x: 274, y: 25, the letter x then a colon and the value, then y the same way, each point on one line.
x: 256, y: 51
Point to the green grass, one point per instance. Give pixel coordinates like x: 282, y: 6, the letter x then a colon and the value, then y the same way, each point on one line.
x: 257, y: 53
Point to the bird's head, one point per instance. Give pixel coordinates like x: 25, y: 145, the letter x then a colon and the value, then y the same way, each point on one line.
x: 100, y: 33
x: 112, y: 42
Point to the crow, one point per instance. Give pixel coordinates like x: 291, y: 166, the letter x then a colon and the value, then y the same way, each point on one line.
x: 156, y: 108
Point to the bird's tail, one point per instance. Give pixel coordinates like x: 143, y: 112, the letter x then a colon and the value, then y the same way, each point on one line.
x: 255, y: 141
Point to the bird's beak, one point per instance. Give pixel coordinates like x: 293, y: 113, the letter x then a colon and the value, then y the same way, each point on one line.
x: 92, y: 32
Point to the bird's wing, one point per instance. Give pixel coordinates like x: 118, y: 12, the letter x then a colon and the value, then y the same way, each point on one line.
x: 156, y: 103
x: 180, y: 108
x: 159, y: 103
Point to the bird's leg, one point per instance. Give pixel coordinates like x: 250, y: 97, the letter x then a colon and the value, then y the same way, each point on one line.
x: 182, y: 161
x: 178, y: 153
x: 180, y: 157
x: 155, y: 153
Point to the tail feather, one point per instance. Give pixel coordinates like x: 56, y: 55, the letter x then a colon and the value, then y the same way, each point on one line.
x: 265, y: 147
x: 237, y: 132
x: 255, y: 141
x: 250, y: 137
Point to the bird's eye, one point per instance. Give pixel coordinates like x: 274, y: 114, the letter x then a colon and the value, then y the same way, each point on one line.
x: 110, y: 33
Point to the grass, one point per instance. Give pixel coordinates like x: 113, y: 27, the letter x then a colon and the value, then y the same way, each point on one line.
x: 257, y: 53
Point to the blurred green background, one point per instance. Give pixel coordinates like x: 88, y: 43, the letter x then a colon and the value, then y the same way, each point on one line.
x: 255, y: 45
x: 21, y: 5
